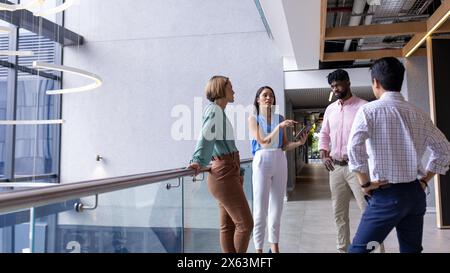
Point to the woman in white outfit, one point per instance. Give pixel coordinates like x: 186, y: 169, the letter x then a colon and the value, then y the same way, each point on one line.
x: 269, y: 141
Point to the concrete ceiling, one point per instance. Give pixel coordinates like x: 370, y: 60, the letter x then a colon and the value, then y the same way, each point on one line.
x: 310, y: 89
x: 318, y: 97
x: 295, y: 26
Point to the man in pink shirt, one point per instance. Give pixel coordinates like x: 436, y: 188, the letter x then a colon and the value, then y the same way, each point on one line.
x: 336, y: 126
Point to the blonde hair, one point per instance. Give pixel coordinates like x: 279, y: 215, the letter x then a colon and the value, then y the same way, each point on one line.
x: 215, y: 88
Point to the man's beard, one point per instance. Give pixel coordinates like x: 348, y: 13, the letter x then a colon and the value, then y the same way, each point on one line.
x: 341, y: 95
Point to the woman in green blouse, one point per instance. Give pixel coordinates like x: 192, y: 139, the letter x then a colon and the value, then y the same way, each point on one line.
x: 216, y: 143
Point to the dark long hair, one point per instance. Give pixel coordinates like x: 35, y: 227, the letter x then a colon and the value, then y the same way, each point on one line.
x: 255, y: 103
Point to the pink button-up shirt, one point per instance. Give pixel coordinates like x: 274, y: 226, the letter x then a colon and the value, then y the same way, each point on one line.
x: 336, y: 126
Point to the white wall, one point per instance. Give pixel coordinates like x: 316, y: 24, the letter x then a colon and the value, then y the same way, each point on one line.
x: 417, y: 82
x: 304, y: 28
x: 152, y: 56
x: 417, y: 93
x: 295, y: 26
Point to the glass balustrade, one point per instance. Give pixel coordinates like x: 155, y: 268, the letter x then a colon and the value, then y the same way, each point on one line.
x: 201, y: 213
x: 170, y: 216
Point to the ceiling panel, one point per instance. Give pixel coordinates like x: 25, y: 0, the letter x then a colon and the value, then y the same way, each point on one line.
x: 318, y: 97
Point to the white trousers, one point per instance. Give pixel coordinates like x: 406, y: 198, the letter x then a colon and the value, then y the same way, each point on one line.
x: 269, y: 188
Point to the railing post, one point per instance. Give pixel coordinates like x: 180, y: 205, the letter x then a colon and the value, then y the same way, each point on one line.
x: 31, y: 231
x: 80, y: 207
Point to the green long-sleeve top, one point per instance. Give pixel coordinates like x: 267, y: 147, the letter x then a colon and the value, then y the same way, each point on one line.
x: 217, y: 137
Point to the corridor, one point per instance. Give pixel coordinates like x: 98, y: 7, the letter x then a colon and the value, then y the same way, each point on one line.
x: 307, y: 223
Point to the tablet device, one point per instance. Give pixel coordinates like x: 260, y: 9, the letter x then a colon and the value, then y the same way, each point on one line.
x: 304, y: 129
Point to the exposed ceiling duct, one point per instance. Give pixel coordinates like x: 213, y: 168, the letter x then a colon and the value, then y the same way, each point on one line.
x: 394, y: 11
x: 355, y: 19
x: 346, y: 19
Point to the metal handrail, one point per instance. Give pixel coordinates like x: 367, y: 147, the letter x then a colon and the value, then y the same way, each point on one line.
x: 23, y: 199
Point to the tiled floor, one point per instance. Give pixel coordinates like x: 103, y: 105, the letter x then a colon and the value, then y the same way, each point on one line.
x: 307, y: 222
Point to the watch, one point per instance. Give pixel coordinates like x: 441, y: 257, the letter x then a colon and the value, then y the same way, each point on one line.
x: 366, y: 185
x: 424, y: 182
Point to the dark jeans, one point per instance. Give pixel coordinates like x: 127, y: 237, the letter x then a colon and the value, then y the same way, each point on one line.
x: 401, y: 206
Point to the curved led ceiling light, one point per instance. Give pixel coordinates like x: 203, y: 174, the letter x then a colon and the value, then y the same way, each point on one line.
x: 26, y: 184
x: 15, y: 53
x: 97, y: 80
x: 35, y: 3
x: 60, y: 8
x: 5, y: 29
x: 14, y: 7
x: 31, y: 122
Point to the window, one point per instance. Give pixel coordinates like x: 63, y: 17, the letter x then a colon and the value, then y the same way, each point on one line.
x: 35, y: 148
x: 4, y: 45
x: 29, y: 152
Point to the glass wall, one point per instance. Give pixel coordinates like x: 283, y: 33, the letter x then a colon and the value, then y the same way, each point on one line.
x: 29, y: 152
x: 169, y: 216
x: 4, y: 45
x: 36, y: 146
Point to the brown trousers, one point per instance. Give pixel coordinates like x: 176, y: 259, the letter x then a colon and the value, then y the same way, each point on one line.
x: 236, y: 222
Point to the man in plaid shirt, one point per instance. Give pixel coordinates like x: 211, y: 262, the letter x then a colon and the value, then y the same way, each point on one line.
x: 389, y: 166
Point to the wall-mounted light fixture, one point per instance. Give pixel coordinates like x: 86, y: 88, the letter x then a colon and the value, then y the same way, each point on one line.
x: 99, y: 158
x: 331, y: 96
x: 72, y: 70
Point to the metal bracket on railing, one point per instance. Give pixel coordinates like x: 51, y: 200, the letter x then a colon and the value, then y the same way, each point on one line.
x: 194, y: 178
x: 80, y: 207
x: 169, y: 186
